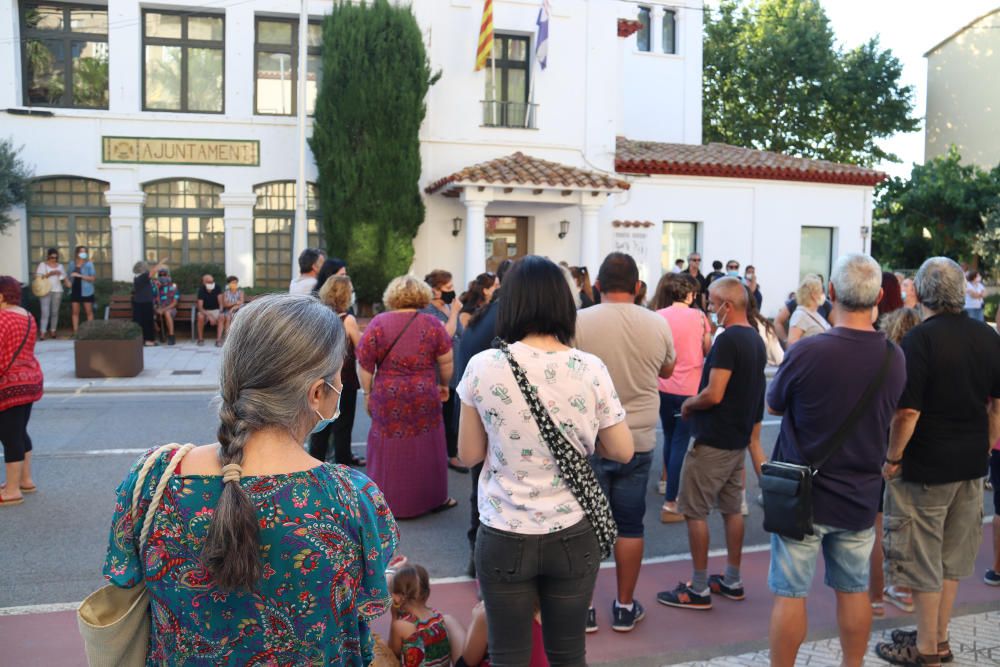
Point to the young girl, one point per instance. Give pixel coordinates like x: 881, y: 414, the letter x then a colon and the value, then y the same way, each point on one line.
x: 421, y: 636
x: 476, y: 652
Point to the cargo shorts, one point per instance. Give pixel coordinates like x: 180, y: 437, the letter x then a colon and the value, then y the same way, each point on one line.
x: 932, y: 532
x: 711, y: 477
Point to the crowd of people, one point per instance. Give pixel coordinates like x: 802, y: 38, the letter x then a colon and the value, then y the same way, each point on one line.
x: 548, y: 388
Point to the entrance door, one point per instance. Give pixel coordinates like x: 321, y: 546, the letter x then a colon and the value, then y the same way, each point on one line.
x: 506, y: 237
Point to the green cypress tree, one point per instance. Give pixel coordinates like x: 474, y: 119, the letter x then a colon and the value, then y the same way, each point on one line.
x: 366, y: 139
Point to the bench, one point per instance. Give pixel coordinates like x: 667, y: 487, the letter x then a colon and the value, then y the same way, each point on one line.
x: 120, y: 308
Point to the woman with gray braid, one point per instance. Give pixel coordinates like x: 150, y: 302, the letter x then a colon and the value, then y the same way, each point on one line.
x: 259, y: 553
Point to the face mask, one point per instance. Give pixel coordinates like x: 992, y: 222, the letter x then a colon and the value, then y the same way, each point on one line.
x: 323, y: 421
x: 749, y: 276
x: 164, y: 281
x: 717, y: 319
x: 82, y: 255
x: 210, y: 286
x: 448, y: 297
x: 734, y: 273
x: 714, y: 317
x: 903, y: 294
x: 354, y: 299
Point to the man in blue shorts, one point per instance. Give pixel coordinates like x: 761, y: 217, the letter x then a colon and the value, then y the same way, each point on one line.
x: 816, y: 396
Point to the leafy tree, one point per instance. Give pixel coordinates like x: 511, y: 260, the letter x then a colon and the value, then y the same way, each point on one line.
x: 14, y: 178
x: 986, y: 244
x: 774, y: 80
x: 369, y: 108
x: 939, y: 210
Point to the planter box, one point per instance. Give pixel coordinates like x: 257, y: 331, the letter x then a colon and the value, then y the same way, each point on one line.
x: 108, y: 358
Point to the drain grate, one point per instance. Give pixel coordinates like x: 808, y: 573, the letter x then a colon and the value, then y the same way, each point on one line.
x: 186, y: 373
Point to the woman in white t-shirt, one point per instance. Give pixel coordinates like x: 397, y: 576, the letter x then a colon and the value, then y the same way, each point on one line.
x: 535, y: 541
x: 806, y: 320
x: 52, y: 269
x: 975, y: 292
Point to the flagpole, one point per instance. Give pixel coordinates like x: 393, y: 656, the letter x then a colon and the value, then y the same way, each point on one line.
x: 531, y: 95
x: 493, y: 75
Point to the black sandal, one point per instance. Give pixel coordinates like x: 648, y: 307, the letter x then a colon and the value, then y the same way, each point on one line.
x: 358, y: 461
x: 446, y: 505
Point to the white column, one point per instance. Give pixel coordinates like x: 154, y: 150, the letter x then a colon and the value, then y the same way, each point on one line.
x: 126, y: 231
x: 656, y: 30
x: 474, y: 228
x: 239, y: 234
x: 590, y: 238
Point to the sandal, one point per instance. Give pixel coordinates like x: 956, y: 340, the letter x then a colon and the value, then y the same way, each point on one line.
x: 446, y: 505
x: 24, y: 489
x: 668, y: 515
x: 900, y: 598
x: 906, y: 655
x: 357, y: 461
x: 10, y: 502
x: 878, y: 609
x: 909, y: 638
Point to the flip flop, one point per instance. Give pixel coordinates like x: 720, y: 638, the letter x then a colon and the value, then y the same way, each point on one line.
x: 24, y: 489
x: 11, y: 502
x: 446, y: 505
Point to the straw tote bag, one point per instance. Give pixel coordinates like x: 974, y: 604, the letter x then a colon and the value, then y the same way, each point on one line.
x: 114, y: 622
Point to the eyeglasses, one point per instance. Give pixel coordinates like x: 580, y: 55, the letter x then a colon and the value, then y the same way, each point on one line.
x: 694, y: 259
x: 732, y: 267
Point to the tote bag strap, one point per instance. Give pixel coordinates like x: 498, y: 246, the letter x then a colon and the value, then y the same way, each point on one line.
x: 154, y: 502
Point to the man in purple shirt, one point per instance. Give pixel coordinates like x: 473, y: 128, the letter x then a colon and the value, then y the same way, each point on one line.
x: 815, y: 397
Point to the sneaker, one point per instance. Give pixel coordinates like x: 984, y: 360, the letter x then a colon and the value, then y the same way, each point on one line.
x: 685, y: 597
x: 661, y: 487
x: 171, y: 340
x: 991, y: 578
x: 591, y: 620
x: 759, y: 499
x: 625, y: 619
x: 716, y: 584
x: 201, y: 341
x: 744, y: 508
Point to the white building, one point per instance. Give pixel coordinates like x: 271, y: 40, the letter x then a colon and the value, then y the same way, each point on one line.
x: 606, y: 153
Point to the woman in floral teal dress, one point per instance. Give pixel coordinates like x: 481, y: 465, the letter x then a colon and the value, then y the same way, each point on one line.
x: 258, y: 553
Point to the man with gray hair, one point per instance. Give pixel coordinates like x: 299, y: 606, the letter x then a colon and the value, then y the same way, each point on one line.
x: 939, y: 446
x: 816, y: 398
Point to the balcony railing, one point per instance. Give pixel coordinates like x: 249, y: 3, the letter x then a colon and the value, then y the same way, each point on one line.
x: 497, y: 113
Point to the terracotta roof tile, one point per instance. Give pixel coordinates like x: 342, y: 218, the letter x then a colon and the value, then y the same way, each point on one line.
x: 523, y: 170
x: 651, y: 157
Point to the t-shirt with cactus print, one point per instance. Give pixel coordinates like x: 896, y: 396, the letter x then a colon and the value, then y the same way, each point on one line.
x: 520, y: 488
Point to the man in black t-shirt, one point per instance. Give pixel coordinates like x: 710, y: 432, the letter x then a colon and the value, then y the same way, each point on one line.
x: 208, y: 310
x: 939, y: 443
x: 729, y: 403
x: 694, y: 270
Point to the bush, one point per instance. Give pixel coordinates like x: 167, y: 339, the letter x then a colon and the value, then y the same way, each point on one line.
x: 109, y: 330
x: 990, y: 305
x: 188, y: 277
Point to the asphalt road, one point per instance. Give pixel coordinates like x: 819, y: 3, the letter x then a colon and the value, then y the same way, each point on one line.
x: 52, y: 547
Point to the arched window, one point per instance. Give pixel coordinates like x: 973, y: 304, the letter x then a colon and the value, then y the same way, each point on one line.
x: 274, y: 216
x: 64, y: 212
x: 184, y: 221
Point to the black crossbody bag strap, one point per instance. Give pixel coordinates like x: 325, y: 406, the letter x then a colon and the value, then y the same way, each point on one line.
x: 395, y: 340
x: 838, y: 438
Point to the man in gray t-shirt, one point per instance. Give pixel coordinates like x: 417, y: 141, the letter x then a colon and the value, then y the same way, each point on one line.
x: 637, y: 347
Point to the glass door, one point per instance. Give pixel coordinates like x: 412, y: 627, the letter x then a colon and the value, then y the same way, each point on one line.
x: 506, y: 238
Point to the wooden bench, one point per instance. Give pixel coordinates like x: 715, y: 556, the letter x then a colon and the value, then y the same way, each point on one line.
x: 120, y: 308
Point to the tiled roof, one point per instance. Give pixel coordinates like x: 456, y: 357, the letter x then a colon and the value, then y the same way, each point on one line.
x: 523, y: 170
x: 651, y: 157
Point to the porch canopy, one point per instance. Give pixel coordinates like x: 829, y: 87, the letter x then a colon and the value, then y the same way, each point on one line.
x: 525, y: 179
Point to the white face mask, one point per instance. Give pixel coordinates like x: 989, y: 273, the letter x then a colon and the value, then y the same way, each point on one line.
x: 354, y: 299
x: 210, y: 286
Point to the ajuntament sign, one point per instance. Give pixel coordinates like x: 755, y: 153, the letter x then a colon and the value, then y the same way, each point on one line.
x: 168, y: 150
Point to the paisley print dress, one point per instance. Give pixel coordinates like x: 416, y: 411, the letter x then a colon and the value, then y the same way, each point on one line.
x: 326, y: 536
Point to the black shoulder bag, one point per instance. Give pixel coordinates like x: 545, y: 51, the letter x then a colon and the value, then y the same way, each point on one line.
x: 788, y: 487
x: 573, y: 465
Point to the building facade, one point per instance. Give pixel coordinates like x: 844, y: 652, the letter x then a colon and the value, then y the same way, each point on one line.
x: 170, y: 130
x: 961, y: 110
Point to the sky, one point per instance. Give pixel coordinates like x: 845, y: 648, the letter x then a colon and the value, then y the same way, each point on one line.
x: 909, y: 28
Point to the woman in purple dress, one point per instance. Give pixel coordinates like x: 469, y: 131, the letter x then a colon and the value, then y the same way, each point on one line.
x: 402, y: 355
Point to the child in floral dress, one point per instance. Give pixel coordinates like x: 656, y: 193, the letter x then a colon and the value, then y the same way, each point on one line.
x: 421, y: 636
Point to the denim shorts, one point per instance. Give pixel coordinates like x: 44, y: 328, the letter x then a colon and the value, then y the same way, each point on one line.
x: 846, y: 554
x: 625, y: 486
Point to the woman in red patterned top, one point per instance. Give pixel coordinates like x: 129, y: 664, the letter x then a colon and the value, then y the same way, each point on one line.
x: 20, y: 386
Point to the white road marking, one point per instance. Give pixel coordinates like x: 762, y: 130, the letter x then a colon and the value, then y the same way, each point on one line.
x: 39, y: 608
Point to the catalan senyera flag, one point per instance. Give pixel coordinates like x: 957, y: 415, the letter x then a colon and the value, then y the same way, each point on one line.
x: 485, y: 47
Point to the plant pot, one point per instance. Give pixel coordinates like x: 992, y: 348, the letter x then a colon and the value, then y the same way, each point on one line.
x: 108, y: 358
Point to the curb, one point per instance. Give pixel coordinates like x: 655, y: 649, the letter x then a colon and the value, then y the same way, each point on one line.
x: 125, y: 389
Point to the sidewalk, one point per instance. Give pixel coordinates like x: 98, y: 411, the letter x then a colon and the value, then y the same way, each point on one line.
x: 181, y: 367
x: 732, y: 634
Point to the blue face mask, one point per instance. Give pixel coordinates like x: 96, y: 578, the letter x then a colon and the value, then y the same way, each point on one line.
x: 734, y: 273
x: 324, y: 422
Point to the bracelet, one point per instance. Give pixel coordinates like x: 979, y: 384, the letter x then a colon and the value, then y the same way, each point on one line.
x: 893, y: 463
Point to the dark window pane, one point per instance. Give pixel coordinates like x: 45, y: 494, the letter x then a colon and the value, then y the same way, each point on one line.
x: 314, y: 79
x: 90, y: 74
x: 274, y: 83
x: 46, y: 64
x: 44, y: 17
x: 642, y: 37
x: 205, y: 27
x: 204, y: 79
x: 89, y: 20
x: 669, y: 32
x: 163, y: 25
x: 274, y: 32
x: 163, y: 77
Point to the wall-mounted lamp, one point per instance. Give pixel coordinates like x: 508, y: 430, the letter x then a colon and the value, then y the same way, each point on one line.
x: 456, y: 226
x: 864, y: 238
x: 563, y: 228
